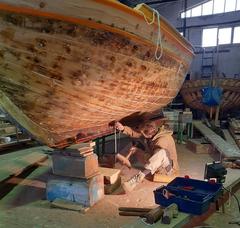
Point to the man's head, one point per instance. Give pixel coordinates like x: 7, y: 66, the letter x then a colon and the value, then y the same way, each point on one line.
x: 149, y: 129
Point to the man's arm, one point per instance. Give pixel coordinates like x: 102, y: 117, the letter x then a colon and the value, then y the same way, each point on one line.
x: 127, y: 130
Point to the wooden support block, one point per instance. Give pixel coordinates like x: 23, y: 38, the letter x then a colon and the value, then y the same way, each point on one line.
x: 197, y: 146
x: 69, y: 205
x: 110, y: 188
x: 110, y: 175
x: 77, y: 153
x: 82, y: 145
x: 79, y: 167
x: 81, y: 191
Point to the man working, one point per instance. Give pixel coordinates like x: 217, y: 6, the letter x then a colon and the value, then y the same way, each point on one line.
x: 160, y: 146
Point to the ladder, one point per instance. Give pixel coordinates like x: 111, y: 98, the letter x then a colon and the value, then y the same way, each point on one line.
x: 207, y: 68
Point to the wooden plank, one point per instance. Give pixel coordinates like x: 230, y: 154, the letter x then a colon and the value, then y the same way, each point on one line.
x: 229, y: 138
x: 69, y: 205
x: 82, y: 145
x: 225, y: 148
x: 12, y: 166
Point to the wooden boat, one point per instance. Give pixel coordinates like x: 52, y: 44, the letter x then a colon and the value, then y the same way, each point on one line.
x: 191, y: 93
x: 68, y: 68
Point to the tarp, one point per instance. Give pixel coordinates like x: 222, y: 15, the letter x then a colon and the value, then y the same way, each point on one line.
x: 211, y: 96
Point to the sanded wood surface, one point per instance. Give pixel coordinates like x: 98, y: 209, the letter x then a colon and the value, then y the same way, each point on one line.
x: 14, y: 163
x: 191, y: 93
x: 224, y: 147
x: 70, y: 67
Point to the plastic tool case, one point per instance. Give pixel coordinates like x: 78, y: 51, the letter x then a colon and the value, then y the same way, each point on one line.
x: 192, y: 196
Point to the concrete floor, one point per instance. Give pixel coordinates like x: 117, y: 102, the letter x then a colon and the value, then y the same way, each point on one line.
x: 25, y: 204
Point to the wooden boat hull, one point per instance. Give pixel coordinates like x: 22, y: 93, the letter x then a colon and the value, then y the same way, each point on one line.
x: 64, y: 77
x: 191, y: 93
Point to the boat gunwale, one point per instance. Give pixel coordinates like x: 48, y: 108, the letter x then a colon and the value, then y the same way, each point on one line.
x: 130, y: 10
x: 93, y: 24
x: 191, y: 84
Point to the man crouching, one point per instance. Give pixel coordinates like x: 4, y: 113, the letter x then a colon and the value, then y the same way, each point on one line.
x: 160, y: 147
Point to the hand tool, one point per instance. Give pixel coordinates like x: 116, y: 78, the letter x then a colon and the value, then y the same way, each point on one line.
x: 167, y: 194
x: 154, y: 215
x: 133, y: 211
x: 169, y: 212
x: 136, y: 209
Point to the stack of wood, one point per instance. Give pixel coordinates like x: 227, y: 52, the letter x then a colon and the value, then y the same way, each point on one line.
x: 234, y: 128
x: 6, y: 130
x: 76, y: 176
x: 81, y: 150
x: 9, y: 134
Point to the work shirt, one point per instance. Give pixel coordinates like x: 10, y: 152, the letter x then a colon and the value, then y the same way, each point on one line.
x: 162, y: 140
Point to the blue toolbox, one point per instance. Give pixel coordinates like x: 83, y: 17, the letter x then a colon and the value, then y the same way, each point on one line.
x: 192, y: 196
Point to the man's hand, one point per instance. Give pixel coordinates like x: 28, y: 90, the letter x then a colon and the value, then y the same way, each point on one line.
x: 124, y: 160
x: 119, y: 126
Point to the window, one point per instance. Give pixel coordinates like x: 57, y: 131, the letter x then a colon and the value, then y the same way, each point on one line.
x: 209, y: 37
x: 197, y: 11
x: 224, y: 35
x: 230, y: 5
x: 236, y: 35
x: 218, y: 36
x: 207, y: 8
x: 218, y: 6
x: 212, y: 7
x: 188, y: 13
x: 238, y: 5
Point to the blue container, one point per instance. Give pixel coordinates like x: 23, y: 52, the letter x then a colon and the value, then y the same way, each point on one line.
x: 191, y: 196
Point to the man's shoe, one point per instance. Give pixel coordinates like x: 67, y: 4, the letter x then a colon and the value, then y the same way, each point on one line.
x: 129, y: 185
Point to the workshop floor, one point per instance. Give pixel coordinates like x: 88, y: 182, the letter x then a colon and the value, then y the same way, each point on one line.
x: 25, y: 204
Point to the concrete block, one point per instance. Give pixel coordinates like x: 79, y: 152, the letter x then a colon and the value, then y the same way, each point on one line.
x: 82, y: 191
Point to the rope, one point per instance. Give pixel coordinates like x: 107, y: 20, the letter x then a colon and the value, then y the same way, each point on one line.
x: 159, y: 37
x: 179, y: 68
x: 115, y: 141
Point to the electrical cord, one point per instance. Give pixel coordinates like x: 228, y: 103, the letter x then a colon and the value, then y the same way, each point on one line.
x: 233, y: 196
